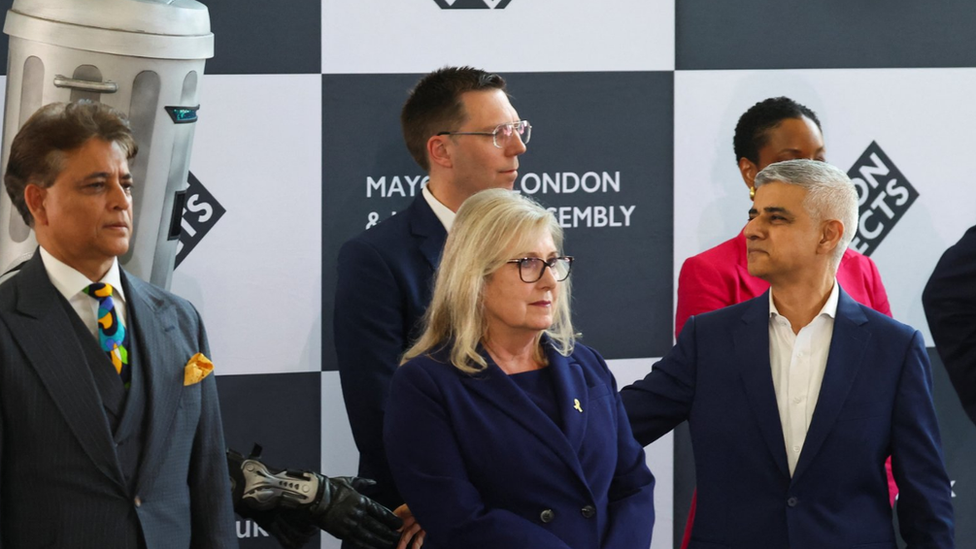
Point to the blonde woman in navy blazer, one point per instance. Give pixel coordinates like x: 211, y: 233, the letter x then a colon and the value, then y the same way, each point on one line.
x: 501, y: 430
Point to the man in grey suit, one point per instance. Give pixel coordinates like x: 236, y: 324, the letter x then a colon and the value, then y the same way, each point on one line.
x: 110, y: 431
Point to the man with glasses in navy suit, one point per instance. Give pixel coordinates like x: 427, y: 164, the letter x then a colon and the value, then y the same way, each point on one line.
x: 460, y: 127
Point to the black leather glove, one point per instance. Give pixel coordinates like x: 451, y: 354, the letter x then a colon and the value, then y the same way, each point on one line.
x: 351, y: 516
x: 293, y: 505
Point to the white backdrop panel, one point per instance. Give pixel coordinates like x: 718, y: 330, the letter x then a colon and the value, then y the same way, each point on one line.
x: 339, y: 454
x: 915, y: 115
x: 257, y: 275
x: 417, y: 36
x: 660, y: 456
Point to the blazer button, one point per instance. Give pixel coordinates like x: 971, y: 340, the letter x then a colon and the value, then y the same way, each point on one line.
x: 547, y: 515
x: 138, y: 501
x: 792, y: 502
x: 588, y: 511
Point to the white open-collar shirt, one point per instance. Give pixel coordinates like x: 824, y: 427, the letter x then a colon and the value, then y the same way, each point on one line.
x: 798, y: 362
x: 443, y: 213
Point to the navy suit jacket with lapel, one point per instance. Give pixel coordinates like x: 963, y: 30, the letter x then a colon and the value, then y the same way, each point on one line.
x: 950, y: 307
x: 61, y: 484
x: 482, y: 466
x: 875, y: 401
x: 385, y: 276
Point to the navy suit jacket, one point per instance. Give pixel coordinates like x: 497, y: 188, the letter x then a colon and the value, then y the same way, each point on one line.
x: 61, y: 483
x: 950, y: 307
x: 384, y: 285
x: 875, y: 401
x: 482, y: 466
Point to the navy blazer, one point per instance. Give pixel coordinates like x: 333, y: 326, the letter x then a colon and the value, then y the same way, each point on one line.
x: 62, y: 484
x: 385, y: 276
x: 875, y: 401
x: 950, y: 307
x: 482, y: 466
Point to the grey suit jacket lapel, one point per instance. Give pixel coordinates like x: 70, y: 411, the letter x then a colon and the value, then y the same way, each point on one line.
x: 843, y: 362
x: 154, y: 323
x: 44, y: 331
x: 751, y: 340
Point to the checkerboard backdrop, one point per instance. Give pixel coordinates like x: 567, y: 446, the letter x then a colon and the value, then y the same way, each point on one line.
x: 633, y: 105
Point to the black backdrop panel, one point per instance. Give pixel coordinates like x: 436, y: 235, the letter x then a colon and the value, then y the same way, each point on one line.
x: 281, y: 412
x: 4, y: 6
x: 260, y: 37
x: 601, y: 157
x: 799, y: 34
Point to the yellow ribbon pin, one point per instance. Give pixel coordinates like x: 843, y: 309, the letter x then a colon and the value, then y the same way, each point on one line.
x: 576, y: 404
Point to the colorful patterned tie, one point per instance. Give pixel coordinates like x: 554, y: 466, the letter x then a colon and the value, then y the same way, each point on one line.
x: 112, y: 335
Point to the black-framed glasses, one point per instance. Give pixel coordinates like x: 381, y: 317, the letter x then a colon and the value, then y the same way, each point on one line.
x: 532, y: 268
x: 503, y: 133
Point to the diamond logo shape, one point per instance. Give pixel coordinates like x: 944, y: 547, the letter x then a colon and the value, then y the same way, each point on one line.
x: 884, y: 196
x: 201, y: 211
x: 472, y: 4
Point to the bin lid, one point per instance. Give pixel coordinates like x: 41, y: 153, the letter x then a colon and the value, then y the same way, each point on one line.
x: 146, y: 28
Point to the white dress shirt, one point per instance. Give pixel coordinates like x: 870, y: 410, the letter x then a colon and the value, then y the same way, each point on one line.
x: 798, y: 362
x: 443, y: 213
x: 71, y: 284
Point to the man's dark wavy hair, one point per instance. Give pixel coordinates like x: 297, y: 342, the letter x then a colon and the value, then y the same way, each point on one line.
x: 37, y: 152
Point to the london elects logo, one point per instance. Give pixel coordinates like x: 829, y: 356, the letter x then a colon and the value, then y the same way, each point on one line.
x: 884, y: 195
x: 201, y: 211
x: 472, y: 4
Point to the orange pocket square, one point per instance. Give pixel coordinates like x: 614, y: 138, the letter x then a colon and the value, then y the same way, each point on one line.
x: 196, y: 369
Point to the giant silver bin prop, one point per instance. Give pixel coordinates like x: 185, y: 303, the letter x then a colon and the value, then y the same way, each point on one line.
x: 142, y: 57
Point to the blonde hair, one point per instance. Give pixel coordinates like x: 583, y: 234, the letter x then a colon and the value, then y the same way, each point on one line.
x: 488, y: 226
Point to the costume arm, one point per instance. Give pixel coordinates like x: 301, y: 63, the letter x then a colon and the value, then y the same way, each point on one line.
x: 370, y: 336
x: 924, y: 505
x: 293, y: 505
x: 431, y: 474
x: 701, y: 289
x: 631, y: 494
x: 950, y: 307
x: 662, y: 400
x: 211, y: 510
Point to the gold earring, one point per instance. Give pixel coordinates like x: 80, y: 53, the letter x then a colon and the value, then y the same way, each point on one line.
x: 752, y: 193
